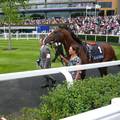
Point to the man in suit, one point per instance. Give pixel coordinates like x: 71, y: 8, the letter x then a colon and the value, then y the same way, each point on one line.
x: 45, y: 62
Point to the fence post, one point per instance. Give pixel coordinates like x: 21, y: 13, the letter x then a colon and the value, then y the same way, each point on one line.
x: 85, y: 37
x: 17, y: 35
x: 68, y: 76
x: 27, y: 36
x: 119, y: 39
x: 106, y: 38
x: 5, y: 36
x: 95, y: 37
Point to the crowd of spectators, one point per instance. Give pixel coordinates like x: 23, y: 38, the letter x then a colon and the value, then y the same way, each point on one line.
x: 82, y: 24
x: 85, y: 25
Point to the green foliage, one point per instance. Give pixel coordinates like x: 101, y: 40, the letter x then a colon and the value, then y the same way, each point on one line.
x: 10, y: 9
x: 23, y: 57
x: 82, y: 96
x: 91, y: 37
x: 113, y: 39
x: 101, y: 38
x: 110, y: 39
x: 117, y: 51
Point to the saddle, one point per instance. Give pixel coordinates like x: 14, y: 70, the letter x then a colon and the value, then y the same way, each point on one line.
x: 95, y: 52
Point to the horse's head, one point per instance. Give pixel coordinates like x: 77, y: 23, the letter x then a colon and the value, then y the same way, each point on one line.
x: 55, y: 36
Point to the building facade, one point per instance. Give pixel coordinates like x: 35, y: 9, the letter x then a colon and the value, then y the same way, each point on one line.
x: 119, y: 7
x: 109, y: 7
x: 62, y: 8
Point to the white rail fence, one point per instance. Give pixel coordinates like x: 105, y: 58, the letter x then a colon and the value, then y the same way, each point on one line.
x: 18, y: 36
x: 28, y: 36
x: 64, y: 70
x: 110, y: 112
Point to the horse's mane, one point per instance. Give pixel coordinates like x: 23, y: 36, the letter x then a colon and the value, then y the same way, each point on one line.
x: 72, y: 34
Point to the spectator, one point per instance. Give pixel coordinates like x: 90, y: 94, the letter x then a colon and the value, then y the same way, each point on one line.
x: 85, y: 25
x: 45, y: 62
x: 74, y: 60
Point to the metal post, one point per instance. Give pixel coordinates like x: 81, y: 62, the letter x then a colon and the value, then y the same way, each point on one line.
x: 106, y: 38
x: 85, y: 37
x: 86, y: 11
x: 17, y: 35
x: 119, y: 39
x: 27, y: 37
x: 95, y: 37
x: 95, y: 11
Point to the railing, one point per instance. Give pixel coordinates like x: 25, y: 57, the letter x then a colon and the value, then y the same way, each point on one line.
x: 110, y: 112
x: 64, y: 70
x: 100, y: 35
x: 28, y: 36
x: 18, y: 36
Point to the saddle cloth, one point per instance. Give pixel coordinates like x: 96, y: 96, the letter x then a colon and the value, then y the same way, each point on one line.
x: 95, y: 53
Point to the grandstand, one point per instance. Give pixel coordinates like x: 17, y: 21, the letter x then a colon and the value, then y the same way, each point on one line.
x: 68, y: 8
x: 108, y: 7
x: 60, y: 8
x: 56, y: 12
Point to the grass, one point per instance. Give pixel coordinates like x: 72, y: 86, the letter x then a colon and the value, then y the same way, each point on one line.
x: 24, y: 57
x: 117, y: 51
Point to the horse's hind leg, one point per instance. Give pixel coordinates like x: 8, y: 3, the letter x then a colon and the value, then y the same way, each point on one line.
x: 103, y: 71
x: 83, y: 74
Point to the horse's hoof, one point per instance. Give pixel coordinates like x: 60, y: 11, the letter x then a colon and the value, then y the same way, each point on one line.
x: 44, y: 86
x: 53, y: 81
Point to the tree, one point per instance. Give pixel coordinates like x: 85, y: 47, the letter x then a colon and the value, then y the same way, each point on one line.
x: 11, y: 14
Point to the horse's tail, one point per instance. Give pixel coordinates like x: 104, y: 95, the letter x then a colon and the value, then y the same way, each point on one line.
x: 115, y: 58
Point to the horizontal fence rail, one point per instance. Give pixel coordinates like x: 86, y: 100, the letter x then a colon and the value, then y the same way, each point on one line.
x: 35, y: 35
x: 110, y: 112
x: 64, y: 70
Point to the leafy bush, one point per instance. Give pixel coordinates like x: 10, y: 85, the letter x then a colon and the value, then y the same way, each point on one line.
x: 82, y: 96
x: 111, y: 39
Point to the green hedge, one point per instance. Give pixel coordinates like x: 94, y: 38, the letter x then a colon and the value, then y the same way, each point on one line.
x: 82, y: 96
x: 111, y: 39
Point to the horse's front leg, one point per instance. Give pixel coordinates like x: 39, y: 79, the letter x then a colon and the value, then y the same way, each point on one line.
x: 103, y: 71
x: 55, y: 57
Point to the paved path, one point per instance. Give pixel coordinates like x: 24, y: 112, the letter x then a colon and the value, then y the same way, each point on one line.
x: 16, y: 94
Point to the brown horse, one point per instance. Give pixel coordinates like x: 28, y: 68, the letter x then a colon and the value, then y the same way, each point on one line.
x: 67, y: 38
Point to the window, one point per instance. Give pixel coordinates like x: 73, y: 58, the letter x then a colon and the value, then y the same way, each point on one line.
x: 105, y: 4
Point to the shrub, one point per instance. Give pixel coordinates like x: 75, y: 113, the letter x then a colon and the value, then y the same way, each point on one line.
x: 82, y: 96
x: 110, y: 39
